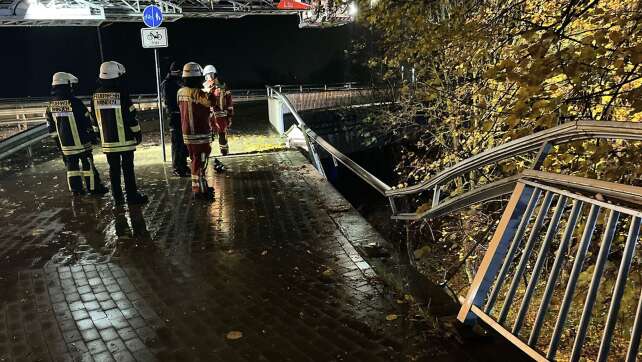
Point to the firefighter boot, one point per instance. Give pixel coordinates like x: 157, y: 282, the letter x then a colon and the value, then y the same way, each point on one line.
x: 99, y: 190
x: 219, y: 166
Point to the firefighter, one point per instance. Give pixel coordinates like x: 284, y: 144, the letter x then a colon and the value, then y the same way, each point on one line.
x: 222, y: 109
x: 169, y: 88
x: 194, y: 105
x: 115, y: 119
x: 69, y: 122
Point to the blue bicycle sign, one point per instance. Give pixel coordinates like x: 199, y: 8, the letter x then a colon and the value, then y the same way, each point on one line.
x: 152, y: 16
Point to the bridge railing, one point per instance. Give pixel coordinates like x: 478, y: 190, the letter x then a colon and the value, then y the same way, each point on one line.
x: 531, y: 275
x: 522, y: 289
x: 32, y: 109
x: 313, y: 140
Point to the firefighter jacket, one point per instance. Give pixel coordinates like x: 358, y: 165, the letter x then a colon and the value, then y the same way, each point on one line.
x: 115, y: 119
x: 69, y: 120
x: 222, y: 106
x: 195, y: 106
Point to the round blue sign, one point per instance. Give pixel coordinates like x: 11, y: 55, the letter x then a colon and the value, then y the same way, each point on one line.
x: 152, y: 16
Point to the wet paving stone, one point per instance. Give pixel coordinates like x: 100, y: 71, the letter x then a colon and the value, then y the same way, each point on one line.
x: 83, y: 280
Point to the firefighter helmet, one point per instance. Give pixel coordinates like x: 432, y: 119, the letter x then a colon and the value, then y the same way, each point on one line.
x: 63, y: 78
x: 109, y: 70
x: 121, y: 68
x: 72, y: 78
x: 192, y: 69
x: 209, y: 69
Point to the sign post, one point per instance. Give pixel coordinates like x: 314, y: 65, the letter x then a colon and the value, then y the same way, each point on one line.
x: 154, y: 37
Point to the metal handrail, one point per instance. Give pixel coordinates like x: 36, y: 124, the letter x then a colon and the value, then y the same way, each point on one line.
x: 313, y: 139
x: 568, y: 132
x: 23, y: 139
x: 506, y: 185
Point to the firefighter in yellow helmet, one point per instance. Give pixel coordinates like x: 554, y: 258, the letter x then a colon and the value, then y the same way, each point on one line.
x: 69, y: 122
x: 115, y: 119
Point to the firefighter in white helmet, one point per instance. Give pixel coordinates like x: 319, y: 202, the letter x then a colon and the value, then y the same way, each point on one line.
x: 115, y: 119
x: 194, y: 105
x: 69, y: 122
x: 223, y: 107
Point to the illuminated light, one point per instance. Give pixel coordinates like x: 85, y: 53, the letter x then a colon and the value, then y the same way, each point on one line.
x: 374, y: 3
x: 37, y: 11
x: 353, y: 10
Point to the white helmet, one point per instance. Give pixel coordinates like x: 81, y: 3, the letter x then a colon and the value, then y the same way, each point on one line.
x: 192, y: 69
x: 121, y: 68
x: 72, y: 78
x: 209, y: 69
x: 62, y: 78
x: 109, y: 70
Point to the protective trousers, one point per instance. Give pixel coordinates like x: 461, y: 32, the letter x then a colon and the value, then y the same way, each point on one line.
x: 76, y: 174
x: 222, y: 124
x: 124, y: 161
x: 179, y: 151
x: 199, y: 154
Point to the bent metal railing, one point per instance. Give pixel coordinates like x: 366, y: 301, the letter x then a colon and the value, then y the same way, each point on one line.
x: 520, y: 278
x: 506, y: 292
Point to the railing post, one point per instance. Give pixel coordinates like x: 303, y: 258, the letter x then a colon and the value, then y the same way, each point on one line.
x: 496, y: 252
x: 541, y: 155
x: 435, y: 196
x: 393, y: 205
x: 313, y: 152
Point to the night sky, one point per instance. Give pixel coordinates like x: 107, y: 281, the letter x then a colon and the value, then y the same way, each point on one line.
x: 248, y: 53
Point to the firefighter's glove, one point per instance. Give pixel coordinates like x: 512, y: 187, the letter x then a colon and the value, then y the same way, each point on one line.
x: 139, y: 137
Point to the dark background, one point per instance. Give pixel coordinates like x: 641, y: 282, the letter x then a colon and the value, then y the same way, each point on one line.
x: 248, y: 53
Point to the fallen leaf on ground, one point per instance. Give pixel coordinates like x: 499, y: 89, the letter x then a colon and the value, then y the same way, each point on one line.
x: 264, y: 252
x: 391, y: 317
x: 234, y: 335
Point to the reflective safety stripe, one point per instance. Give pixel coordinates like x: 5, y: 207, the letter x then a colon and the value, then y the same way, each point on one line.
x: 191, y: 116
x: 220, y: 114
x: 196, y: 142
x: 196, y: 136
x: 99, y: 122
x: 132, y: 108
x: 72, y: 174
x: 196, y: 139
x: 135, y: 128
x: 74, y: 150
x: 73, y: 127
x: 119, y: 148
x: 121, y: 126
x: 90, y: 174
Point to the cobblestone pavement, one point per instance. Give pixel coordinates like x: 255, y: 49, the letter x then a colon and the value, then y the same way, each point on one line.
x: 264, y: 273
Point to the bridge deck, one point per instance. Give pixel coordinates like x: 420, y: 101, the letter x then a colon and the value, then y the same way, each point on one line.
x: 170, y: 280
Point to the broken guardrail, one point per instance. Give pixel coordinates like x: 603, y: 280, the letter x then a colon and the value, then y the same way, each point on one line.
x: 496, y: 295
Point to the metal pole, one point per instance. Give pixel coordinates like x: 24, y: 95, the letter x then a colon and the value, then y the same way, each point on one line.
x: 160, y: 106
x: 100, y: 44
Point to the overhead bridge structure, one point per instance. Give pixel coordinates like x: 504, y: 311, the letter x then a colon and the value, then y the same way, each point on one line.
x: 312, y: 13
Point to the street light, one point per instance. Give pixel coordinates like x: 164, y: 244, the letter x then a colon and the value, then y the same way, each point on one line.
x: 353, y: 9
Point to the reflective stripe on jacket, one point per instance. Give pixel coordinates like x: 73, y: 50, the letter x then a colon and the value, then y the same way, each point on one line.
x: 69, y: 121
x: 115, y: 119
x: 194, y: 105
